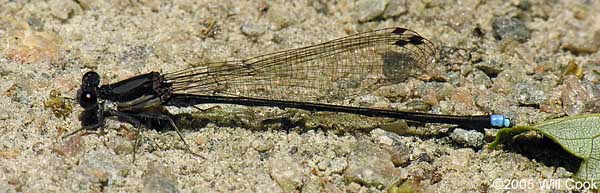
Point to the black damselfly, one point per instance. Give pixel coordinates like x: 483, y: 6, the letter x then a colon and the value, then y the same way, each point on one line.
x: 322, y: 77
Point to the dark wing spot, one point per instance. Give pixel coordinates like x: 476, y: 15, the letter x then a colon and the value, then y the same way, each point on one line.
x: 401, y: 43
x: 416, y: 40
x: 399, y: 31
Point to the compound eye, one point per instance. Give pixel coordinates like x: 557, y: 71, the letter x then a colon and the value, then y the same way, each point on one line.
x: 91, y: 79
x: 88, y: 99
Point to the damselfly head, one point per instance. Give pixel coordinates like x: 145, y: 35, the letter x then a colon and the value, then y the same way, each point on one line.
x: 87, y: 95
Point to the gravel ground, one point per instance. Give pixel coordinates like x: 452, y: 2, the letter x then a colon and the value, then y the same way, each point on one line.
x: 531, y: 60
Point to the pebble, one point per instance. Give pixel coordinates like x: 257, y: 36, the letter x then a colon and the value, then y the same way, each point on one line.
x: 458, y: 160
x: 371, y: 166
x: 6, y: 85
x: 385, y: 140
x: 481, y: 78
x: 377, y: 132
x: 264, y: 155
x: 454, y: 78
x: 503, y: 83
x: 354, y: 187
x: 510, y: 28
x: 98, y: 177
x: 32, y: 46
x: 398, y: 127
x: 582, y: 43
x: 385, y: 137
x: 337, y: 165
x: 253, y: 30
x: 120, y: 4
x: 424, y: 157
x: 281, y: 17
x: 462, y: 99
x: 491, y: 68
x: 5, y: 114
x: 400, y: 154
x: 320, y: 6
x: 370, y: 9
x: 262, y: 145
x: 593, y: 106
x: 63, y: 10
x: 85, y: 4
x: 154, y: 5
x: 312, y: 185
x: 398, y: 91
x: 529, y: 94
x: 553, y: 103
x: 287, y: 173
x: 71, y: 147
x: 123, y: 146
x: 395, y: 8
x: 370, y: 100
x: 574, y: 95
x: 10, y: 153
x: 467, y: 138
x: 35, y: 23
x: 5, y: 187
x: 455, y: 56
x: 159, y: 179
x: 98, y: 168
x: 434, y: 92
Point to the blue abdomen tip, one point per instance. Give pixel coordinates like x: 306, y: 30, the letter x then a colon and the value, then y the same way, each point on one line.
x: 500, y: 121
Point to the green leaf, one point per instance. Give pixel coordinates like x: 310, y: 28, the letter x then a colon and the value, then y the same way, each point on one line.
x: 578, y: 135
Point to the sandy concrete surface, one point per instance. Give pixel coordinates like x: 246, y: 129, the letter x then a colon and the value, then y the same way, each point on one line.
x: 529, y: 59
